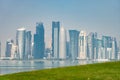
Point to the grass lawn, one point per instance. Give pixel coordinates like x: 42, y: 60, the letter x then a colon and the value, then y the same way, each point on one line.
x: 99, y: 71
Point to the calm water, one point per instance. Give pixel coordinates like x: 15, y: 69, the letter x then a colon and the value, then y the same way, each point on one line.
x: 14, y: 66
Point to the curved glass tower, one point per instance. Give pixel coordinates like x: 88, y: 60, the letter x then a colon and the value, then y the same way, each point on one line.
x: 20, y: 41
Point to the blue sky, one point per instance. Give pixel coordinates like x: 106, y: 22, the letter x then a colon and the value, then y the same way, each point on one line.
x: 102, y: 16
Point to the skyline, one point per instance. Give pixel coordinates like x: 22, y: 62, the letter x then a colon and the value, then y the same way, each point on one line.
x: 93, y: 16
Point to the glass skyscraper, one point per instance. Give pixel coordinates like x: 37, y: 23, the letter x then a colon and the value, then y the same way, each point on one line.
x: 106, y: 43
x: 55, y: 39
x: 90, y: 45
x: 39, y: 44
x: 74, y: 34
x: 8, y: 48
x: 114, y: 54
x: 20, y: 42
x: 82, y: 54
x: 28, y: 50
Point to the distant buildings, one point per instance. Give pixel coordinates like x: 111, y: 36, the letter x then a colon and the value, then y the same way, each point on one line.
x: 39, y: 44
x: 28, y: 48
x: 21, y: 42
x: 55, y: 39
x: 79, y: 46
x: 62, y: 43
x: 82, y: 45
x: 11, y: 50
x: 91, y: 45
x: 8, y: 48
x: 74, y: 35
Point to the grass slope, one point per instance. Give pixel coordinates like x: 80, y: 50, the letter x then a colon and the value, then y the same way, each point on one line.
x: 99, y: 71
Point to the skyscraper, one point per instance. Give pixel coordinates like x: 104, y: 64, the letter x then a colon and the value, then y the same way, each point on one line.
x: 106, y: 43
x: 74, y: 34
x: 55, y: 39
x: 82, y: 45
x: 28, y: 52
x: 62, y: 44
x: 114, y: 54
x: 8, y: 48
x: 39, y: 44
x: 20, y: 42
x: 99, y: 49
x: 90, y: 45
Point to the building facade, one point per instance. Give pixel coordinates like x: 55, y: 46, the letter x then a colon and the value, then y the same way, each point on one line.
x: 28, y: 50
x: 74, y: 34
x: 82, y: 45
x: 39, y: 44
x: 55, y: 39
x: 62, y: 44
x: 20, y: 42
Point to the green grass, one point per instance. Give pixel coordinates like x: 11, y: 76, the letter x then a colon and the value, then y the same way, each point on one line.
x: 99, y: 71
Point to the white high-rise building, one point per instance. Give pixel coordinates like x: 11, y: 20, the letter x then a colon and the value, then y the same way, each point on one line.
x: 14, y: 54
x: 20, y: 41
x: 62, y: 43
x: 82, y: 45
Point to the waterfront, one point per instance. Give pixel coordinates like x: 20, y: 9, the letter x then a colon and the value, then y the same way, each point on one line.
x: 14, y: 66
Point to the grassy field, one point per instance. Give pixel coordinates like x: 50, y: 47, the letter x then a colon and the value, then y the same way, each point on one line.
x: 99, y: 71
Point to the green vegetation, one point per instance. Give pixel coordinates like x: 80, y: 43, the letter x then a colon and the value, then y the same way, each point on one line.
x: 99, y: 71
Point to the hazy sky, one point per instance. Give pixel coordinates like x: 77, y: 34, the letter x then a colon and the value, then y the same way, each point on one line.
x: 102, y: 16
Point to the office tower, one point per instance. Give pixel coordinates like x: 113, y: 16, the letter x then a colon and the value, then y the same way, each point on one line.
x: 90, y: 45
x: 62, y: 43
x: 55, y: 39
x: 28, y: 52
x: 67, y: 49
x: 95, y: 46
x: 39, y: 44
x: 99, y: 49
x: 82, y: 45
x: 14, y: 53
x: 20, y: 42
x: 74, y: 34
x: 8, y: 48
x: 114, y: 54
x: 107, y: 44
x: 0, y: 50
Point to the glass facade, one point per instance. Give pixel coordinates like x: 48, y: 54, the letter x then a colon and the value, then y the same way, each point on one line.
x: 39, y: 44
x: 28, y: 52
x: 74, y: 34
x: 20, y: 41
x: 55, y: 39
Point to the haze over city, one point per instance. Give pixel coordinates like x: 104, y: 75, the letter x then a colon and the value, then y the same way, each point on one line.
x: 91, y: 15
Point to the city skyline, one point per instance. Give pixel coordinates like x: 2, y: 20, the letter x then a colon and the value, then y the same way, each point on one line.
x: 81, y: 45
x: 93, y: 16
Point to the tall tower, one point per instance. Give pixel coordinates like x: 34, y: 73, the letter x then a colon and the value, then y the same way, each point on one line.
x: 106, y: 43
x: 28, y: 45
x: 99, y: 49
x: 20, y: 42
x: 39, y: 44
x: 8, y: 48
x: 55, y: 39
x: 82, y: 45
x: 74, y: 34
x: 62, y: 44
x: 90, y: 45
x: 114, y: 54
